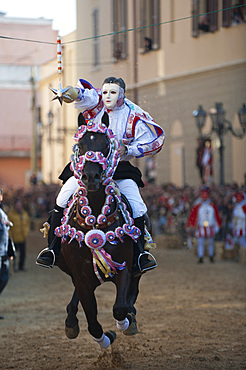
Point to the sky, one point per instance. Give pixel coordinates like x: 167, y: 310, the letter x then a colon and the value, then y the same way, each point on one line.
x: 62, y: 12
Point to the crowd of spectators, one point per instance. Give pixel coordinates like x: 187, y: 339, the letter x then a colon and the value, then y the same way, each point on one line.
x: 168, y: 205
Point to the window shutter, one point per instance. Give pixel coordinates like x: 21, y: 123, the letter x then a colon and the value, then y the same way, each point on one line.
x: 213, y: 18
x: 226, y: 17
x: 195, y: 19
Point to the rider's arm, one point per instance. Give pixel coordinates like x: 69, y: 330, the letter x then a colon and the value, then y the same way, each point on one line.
x: 88, y: 97
x: 143, y: 135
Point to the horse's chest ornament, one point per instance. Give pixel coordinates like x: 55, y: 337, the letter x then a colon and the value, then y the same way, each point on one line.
x: 93, y: 234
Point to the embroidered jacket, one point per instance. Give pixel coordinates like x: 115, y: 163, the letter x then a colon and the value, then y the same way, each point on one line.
x: 204, y: 217
x: 132, y: 126
x: 239, y: 219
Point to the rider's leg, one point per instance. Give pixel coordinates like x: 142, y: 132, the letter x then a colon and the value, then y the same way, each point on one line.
x: 141, y: 262
x: 130, y: 189
x: 46, y: 257
x: 49, y: 255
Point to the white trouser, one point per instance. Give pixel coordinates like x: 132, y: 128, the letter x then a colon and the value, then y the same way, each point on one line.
x: 200, y: 247
x: 241, y: 240
x: 127, y: 186
x: 130, y: 189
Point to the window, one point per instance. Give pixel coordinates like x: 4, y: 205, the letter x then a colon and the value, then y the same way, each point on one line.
x: 120, y: 25
x: 233, y: 17
x: 205, y: 22
x: 149, y: 15
x: 96, y: 40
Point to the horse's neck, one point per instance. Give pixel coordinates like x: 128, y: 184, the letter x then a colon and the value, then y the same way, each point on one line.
x: 96, y: 200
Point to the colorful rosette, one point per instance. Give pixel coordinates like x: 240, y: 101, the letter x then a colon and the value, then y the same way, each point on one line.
x: 110, y: 237
x: 71, y: 234
x: 91, y: 126
x: 102, y: 127
x: 136, y: 232
x: 109, y: 190
x: 58, y: 231
x: 79, y: 236
x: 90, y: 155
x: 127, y: 228
x: 82, y: 129
x: 85, y: 211
x: 101, y: 219
x: 95, y: 239
x: 106, y: 210
x: 109, y: 199
x: 90, y: 220
x: 119, y: 232
x: 83, y: 201
x: 82, y: 192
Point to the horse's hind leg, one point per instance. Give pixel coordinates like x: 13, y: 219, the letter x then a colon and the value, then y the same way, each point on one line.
x: 72, y: 323
x: 131, y: 300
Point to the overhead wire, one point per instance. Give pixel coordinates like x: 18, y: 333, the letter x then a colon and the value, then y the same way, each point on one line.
x: 122, y: 31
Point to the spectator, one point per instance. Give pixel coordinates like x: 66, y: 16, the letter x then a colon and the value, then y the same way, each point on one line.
x: 4, y: 240
x: 20, y: 230
x: 203, y: 23
x: 239, y: 220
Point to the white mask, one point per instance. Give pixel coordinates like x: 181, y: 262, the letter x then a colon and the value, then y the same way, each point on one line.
x: 110, y: 94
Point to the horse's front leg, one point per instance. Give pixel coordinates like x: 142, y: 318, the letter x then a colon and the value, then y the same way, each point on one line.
x: 120, y: 308
x: 88, y: 300
x: 72, y: 323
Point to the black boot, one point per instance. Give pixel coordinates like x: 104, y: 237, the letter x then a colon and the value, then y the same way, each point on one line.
x: 48, y: 256
x: 141, y: 261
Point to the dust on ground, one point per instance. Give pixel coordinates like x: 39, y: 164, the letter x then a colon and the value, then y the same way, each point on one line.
x: 190, y: 316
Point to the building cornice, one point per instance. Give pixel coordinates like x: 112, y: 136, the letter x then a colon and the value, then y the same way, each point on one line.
x: 186, y: 73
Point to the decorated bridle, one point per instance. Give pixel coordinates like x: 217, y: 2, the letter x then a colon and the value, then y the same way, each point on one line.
x: 95, y: 238
x: 108, y: 163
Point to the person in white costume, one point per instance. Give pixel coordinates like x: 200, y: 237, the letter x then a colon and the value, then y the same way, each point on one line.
x: 132, y: 127
x: 239, y: 220
x: 204, y: 219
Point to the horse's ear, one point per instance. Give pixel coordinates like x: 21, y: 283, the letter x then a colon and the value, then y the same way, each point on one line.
x: 105, y: 119
x: 81, y: 120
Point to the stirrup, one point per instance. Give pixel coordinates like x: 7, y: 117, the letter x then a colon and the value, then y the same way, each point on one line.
x: 147, y: 268
x: 40, y: 263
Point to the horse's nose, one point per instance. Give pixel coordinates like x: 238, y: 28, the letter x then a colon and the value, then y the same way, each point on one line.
x: 91, y: 181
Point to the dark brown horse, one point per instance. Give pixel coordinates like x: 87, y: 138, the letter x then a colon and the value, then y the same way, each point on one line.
x: 85, y: 227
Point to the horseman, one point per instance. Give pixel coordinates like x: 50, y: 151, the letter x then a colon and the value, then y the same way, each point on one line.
x: 138, y: 134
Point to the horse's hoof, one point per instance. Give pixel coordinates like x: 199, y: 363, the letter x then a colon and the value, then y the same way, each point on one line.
x: 72, y: 333
x: 132, y: 328
x: 111, y: 335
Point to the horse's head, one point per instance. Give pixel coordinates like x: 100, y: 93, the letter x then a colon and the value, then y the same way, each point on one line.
x: 91, y: 143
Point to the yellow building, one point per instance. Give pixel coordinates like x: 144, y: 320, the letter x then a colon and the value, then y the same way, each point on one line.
x: 184, y: 61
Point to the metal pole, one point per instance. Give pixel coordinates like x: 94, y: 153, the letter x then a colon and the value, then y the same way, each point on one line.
x: 221, y: 152
x: 135, y: 53
x: 34, y: 125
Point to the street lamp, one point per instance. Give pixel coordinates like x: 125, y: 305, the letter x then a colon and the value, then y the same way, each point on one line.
x: 220, y: 125
x: 200, y: 117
